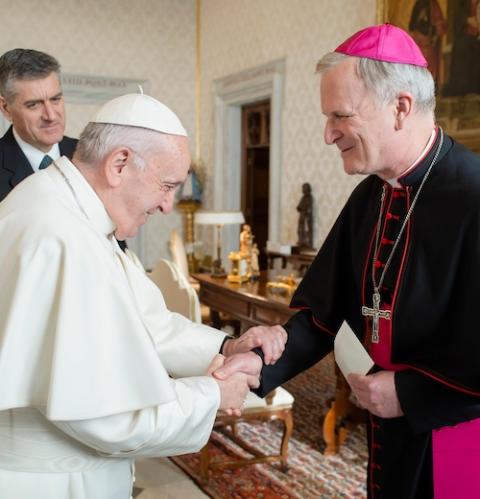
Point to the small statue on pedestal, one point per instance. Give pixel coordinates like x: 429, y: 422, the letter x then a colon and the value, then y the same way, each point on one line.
x: 246, y: 240
x: 254, y: 266
x: 305, y: 218
x: 191, y: 189
x: 241, y: 261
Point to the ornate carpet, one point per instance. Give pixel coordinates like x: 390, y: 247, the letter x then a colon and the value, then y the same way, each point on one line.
x: 310, y: 474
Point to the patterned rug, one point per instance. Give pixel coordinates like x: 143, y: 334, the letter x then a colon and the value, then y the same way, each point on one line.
x: 310, y: 474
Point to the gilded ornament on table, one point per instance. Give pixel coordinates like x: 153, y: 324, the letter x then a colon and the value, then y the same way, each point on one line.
x: 284, y: 285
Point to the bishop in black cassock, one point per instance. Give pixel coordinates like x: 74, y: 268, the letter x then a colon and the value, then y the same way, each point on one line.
x: 414, y: 239
x: 432, y: 293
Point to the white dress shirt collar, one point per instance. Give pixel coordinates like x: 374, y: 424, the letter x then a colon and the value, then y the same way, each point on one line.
x: 33, y: 154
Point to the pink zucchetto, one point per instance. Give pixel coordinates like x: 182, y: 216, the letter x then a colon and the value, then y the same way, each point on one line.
x: 385, y: 43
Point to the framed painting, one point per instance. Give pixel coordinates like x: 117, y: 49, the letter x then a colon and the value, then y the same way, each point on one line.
x: 448, y: 32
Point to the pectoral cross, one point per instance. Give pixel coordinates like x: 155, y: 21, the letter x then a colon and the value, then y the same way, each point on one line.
x: 375, y: 313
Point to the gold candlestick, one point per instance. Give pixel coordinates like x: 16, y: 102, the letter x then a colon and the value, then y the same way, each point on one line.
x: 188, y: 207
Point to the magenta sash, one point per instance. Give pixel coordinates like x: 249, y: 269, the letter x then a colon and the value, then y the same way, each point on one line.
x: 456, y: 461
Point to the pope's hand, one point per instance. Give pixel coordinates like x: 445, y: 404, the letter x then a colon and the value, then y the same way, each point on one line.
x: 377, y: 393
x: 247, y: 363
x: 271, y: 339
x: 235, y: 376
x: 216, y: 363
x: 233, y: 392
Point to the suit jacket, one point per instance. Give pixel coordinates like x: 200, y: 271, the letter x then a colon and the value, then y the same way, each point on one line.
x: 14, y: 165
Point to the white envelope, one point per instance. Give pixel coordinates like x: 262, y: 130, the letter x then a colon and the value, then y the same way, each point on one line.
x: 350, y: 354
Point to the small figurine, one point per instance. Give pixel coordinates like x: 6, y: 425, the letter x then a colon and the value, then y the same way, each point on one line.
x: 246, y: 240
x: 241, y: 261
x: 255, y: 268
x: 191, y: 189
x: 305, y: 218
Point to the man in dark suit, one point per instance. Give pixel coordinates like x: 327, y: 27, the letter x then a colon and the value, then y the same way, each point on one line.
x: 31, y: 98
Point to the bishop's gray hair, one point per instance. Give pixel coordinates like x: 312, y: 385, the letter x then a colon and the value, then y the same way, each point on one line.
x: 24, y: 64
x: 386, y: 79
x: 98, y: 140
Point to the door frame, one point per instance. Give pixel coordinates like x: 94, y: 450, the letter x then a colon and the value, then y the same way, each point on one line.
x: 230, y: 94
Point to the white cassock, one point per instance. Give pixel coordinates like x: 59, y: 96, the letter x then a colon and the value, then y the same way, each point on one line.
x: 90, y: 357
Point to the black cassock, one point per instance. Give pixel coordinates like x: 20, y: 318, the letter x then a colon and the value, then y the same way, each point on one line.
x: 433, y: 289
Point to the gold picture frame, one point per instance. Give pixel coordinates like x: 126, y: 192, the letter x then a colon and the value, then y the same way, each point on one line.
x: 449, y: 35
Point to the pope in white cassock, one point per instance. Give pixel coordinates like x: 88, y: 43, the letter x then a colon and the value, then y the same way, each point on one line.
x: 94, y: 370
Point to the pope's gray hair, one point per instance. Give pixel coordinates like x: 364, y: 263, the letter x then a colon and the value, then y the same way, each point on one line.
x: 98, y: 140
x: 387, y: 79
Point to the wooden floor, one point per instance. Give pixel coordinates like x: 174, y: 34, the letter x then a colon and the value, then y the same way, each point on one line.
x: 159, y: 478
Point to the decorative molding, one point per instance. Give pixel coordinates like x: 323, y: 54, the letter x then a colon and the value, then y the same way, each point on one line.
x: 261, y: 75
x: 231, y: 93
x: 87, y: 89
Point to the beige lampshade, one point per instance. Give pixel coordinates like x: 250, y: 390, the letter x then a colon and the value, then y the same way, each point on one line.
x: 219, y: 217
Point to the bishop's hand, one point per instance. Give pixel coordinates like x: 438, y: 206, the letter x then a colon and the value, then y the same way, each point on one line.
x: 271, y: 339
x: 377, y: 393
x: 247, y: 363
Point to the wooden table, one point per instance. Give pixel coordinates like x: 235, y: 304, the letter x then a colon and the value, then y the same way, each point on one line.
x: 250, y: 303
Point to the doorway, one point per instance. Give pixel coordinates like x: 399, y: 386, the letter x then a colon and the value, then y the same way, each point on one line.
x: 255, y: 180
x: 231, y: 94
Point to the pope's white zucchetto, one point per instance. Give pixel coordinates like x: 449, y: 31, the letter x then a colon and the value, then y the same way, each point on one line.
x: 139, y: 110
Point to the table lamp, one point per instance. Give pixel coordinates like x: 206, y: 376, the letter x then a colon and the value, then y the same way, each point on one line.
x: 219, y: 219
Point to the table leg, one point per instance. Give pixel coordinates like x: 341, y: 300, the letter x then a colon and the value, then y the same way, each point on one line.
x: 335, y: 424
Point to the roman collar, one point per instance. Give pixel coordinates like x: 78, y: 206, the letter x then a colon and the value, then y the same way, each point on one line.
x: 415, y: 175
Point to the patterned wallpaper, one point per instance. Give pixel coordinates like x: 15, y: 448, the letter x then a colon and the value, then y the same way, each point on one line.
x: 155, y: 40
x: 145, y: 39
x: 237, y: 35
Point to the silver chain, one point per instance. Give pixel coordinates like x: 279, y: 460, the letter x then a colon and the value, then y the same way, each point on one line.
x: 376, y: 287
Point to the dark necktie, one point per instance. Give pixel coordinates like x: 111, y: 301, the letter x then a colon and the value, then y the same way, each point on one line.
x: 45, y: 162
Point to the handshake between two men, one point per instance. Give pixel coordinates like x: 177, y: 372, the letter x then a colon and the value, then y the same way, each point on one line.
x: 237, y: 369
